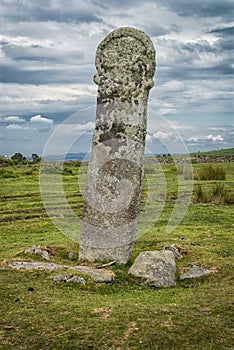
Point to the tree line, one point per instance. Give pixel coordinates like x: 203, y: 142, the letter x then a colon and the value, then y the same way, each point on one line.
x: 19, y: 159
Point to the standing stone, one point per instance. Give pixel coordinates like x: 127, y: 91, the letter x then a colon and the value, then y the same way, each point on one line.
x: 125, y: 63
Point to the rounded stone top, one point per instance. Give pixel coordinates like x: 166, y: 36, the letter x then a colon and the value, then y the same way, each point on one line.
x: 125, y: 47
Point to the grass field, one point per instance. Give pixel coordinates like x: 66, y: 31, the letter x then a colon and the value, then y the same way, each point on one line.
x: 195, y: 314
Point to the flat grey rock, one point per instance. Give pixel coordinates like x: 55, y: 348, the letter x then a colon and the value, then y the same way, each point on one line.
x: 96, y: 275
x: 195, y: 272
x: 61, y: 277
x: 154, y: 268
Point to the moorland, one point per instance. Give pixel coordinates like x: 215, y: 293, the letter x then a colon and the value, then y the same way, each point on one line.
x: 196, y: 314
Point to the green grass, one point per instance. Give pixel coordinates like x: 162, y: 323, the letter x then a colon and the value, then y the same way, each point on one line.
x: 195, y: 314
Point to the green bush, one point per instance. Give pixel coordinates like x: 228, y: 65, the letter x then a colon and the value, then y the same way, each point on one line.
x: 18, y: 158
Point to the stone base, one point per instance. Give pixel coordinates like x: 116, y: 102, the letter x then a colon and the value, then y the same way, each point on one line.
x: 120, y: 255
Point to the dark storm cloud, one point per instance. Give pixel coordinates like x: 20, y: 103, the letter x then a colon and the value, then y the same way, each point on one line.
x: 47, y: 48
x: 106, y: 4
x: 182, y: 72
x: 38, y: 53
x: 225, y: 36
x: 226, y: 45
x: 30, y: 53
x: 46, y: 10
x: 201, y: 8
x: 227, y: 31
x: 155, y: 30
x: 60, y: 65
x: 198, y: 47
x: 12, y: 73
x: 222, y: 69
x: 189, y: 59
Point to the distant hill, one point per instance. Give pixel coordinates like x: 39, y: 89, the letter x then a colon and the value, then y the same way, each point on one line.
x: 72, y: 156
x: 67, y: 157
x: 226, y: 152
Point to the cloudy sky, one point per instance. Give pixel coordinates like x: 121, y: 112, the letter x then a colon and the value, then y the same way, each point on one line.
x: 47, y: 52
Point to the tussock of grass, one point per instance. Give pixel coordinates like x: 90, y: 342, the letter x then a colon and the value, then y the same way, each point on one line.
x: 211, y: 172
x: 217, y: 193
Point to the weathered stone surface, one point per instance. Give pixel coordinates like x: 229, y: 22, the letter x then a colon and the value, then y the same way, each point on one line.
x: 125, y: 63
x: 154, y: 268
x: 195, y: 272
x: 96, y: 275
x: 27, y: 265
x: 41, y: 252
x: 174, y: 250
x: 61, y: 277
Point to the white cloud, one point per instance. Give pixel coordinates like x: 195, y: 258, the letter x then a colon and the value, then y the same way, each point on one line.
x: 39, y: 119
x: 149, y: 137
x: 162, y: 135
x: 193, y: 139
x: 208, y: 137
x: 13, y: 119
x: 84, y: 127
x: 215, y: 138
x: 16, y: 127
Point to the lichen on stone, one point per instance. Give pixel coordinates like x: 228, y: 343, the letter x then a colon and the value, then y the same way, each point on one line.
x: 125, y: 63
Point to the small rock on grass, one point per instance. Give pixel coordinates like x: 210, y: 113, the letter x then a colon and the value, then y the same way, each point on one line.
x: 195, y: 272
x: 174, y: 250
x: 71, y: 255
x: 154, y: 268
x: 41, y: 252
x: 61, y: 277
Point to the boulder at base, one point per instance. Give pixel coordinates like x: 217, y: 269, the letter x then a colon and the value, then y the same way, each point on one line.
x: 154, y: 268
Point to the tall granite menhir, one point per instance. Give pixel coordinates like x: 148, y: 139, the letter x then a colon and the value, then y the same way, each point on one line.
x: 125, y: 63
